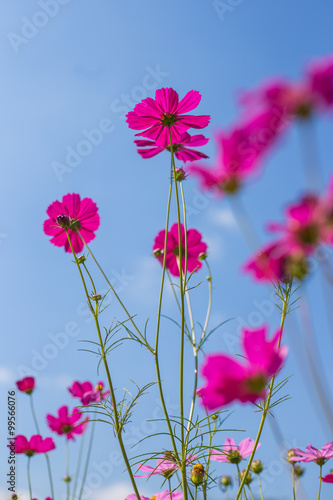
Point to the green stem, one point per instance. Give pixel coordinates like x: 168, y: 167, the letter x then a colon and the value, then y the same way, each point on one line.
x: 78, y: 465
x: 260, y: 488
x: 268, y: 399
x: 211, y: 434
x: 170, y: 490
x: 46, y: 454
x: 117, y: 427
x: 67, y: 470
x: 250, y: 492
x: 182, y: 285
x: 320, y: 481
x: 29, y: 480
x: 88, y: 457
x: 195, y: 492
x: 293, y: 477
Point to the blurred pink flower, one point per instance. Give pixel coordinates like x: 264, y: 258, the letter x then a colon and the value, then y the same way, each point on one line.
x: 74, y: 214
x: 181, y: 149
x: 229, y: 380
x: 87, y: 393
x: 232, y: 452
x: 320, y: 80
x: 163, y: 495
x: 26, y: 384
x: 268, y: 263
x: 67, y: 423
x: 312, y: 454
x: 328, y: 478
x: 36, y: 444
x: 156, y: 116
x: 165, y: 466
x: 196, y: 249
x: 240, y: 152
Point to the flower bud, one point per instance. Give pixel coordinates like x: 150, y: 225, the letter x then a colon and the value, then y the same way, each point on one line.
x: 291, y: 453
x: 197, y: 474
x: 158, y: 252
x: 257, y: 466
x: 81, y: 259
x: 226, y: 481
x: 14, y: 496
x: 202, y: 256
x: 180, y: 174
x: 214, y: 417
x: 96, y: 297
x: 248, y: 479
x: 299, y: 471
x: 63, y: 221
x: 67, y: 479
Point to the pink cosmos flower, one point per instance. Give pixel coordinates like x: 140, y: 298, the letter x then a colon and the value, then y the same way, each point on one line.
x: 290, y: 98
x: 312, y: 454
x: 166, y: 466
x: 229, y: 380
x: 67, y: 423
x: 36, y: 444
x: 26, y: 384
x: 181, y: 149
x: 268, y: 263
x: 75, y: 215
x: 320, y: 80
x: 87, y: 393
x: 155, y: 117
x: 162, y: 495
x: 240, y: 152
x: 232, y: 452
x: 196, y: 249
x: 328, y: 478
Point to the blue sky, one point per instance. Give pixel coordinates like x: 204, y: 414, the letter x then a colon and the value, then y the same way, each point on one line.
x: 72, y: 67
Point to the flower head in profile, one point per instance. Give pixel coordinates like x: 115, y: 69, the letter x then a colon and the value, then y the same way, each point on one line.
x: 26, y: 384
x: 319, y: 75
x: 74, y: 215
x: 156, y: 116
x: 165, y: 466
x: 229, y: 380
x: 67, y: 423
x: 183, y: 149
x: 162, y: 495
x: 36, y: 444
x: 232, y: 452
x: 328, y: 478
x: 240, y: 152
x: 196, y: 249
x: 87, y: 392
x: 312, y: 454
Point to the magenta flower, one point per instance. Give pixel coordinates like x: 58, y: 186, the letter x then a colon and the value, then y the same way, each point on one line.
x: 240, y: 152
x: 320, y: 80
x: 26, y: 384
x: 87, y: 393
x: 196, y: 249
x: 312, y: 454
x: 166, y: 466
x: 181, y: 149
x: 75, y: 215
x: 268, y: 263
x: 232, y: 452
x: 328, y: 478
x: 67, y: 424
x: 36, y: 444
x: 162, y: 495
x: 229, y: 380
x: 155, y: 117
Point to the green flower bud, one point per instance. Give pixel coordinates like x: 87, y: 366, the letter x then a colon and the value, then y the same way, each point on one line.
x: 299, y: 471
x: 226, y: 481
x: 248, y: 479
x: 257, y: 466
x: 197, y: 474
x: 96, y: 297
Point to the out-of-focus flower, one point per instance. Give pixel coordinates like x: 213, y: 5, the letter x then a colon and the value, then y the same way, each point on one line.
x: 156, y: 116
x: 162, y: 495
x: 320, y: 80
x: 75, y: 215
x: 87, y: 393
x: 240, y: 152
x: 183, y: 149
x: 229, y: 380
x: 233, y: 452
x: 166, y: 466
x: 312, y: 454
x: 196, y: 249
x: 67, y: 423
x: 328, y: 478
x: 26, y: 384
x: 257, y: 467
x: 36, y: 444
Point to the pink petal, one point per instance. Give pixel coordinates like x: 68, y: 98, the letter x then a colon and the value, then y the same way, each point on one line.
x: 189, y: 102
x: 167, y: 99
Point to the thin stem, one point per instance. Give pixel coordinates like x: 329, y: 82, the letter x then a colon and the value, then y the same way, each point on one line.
x: 239, y: 480
x: 117, y: 427
x: 195, y: 492
x: 293, y: 477
x: 250, y: 492
x: 268, y: 399
x: 46, y: 454
x: 88, y: 457
x: 170, y: 490
x: 29, y: 479
x: 260, y: 488
x: 244, y: 223
x: 320, y: 481
x: 211, y: 434
x: 78, y: 465
x: 67, y: 470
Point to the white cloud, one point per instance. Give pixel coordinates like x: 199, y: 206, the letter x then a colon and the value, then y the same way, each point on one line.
x: 6, y: 375
x: 223, y: 217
